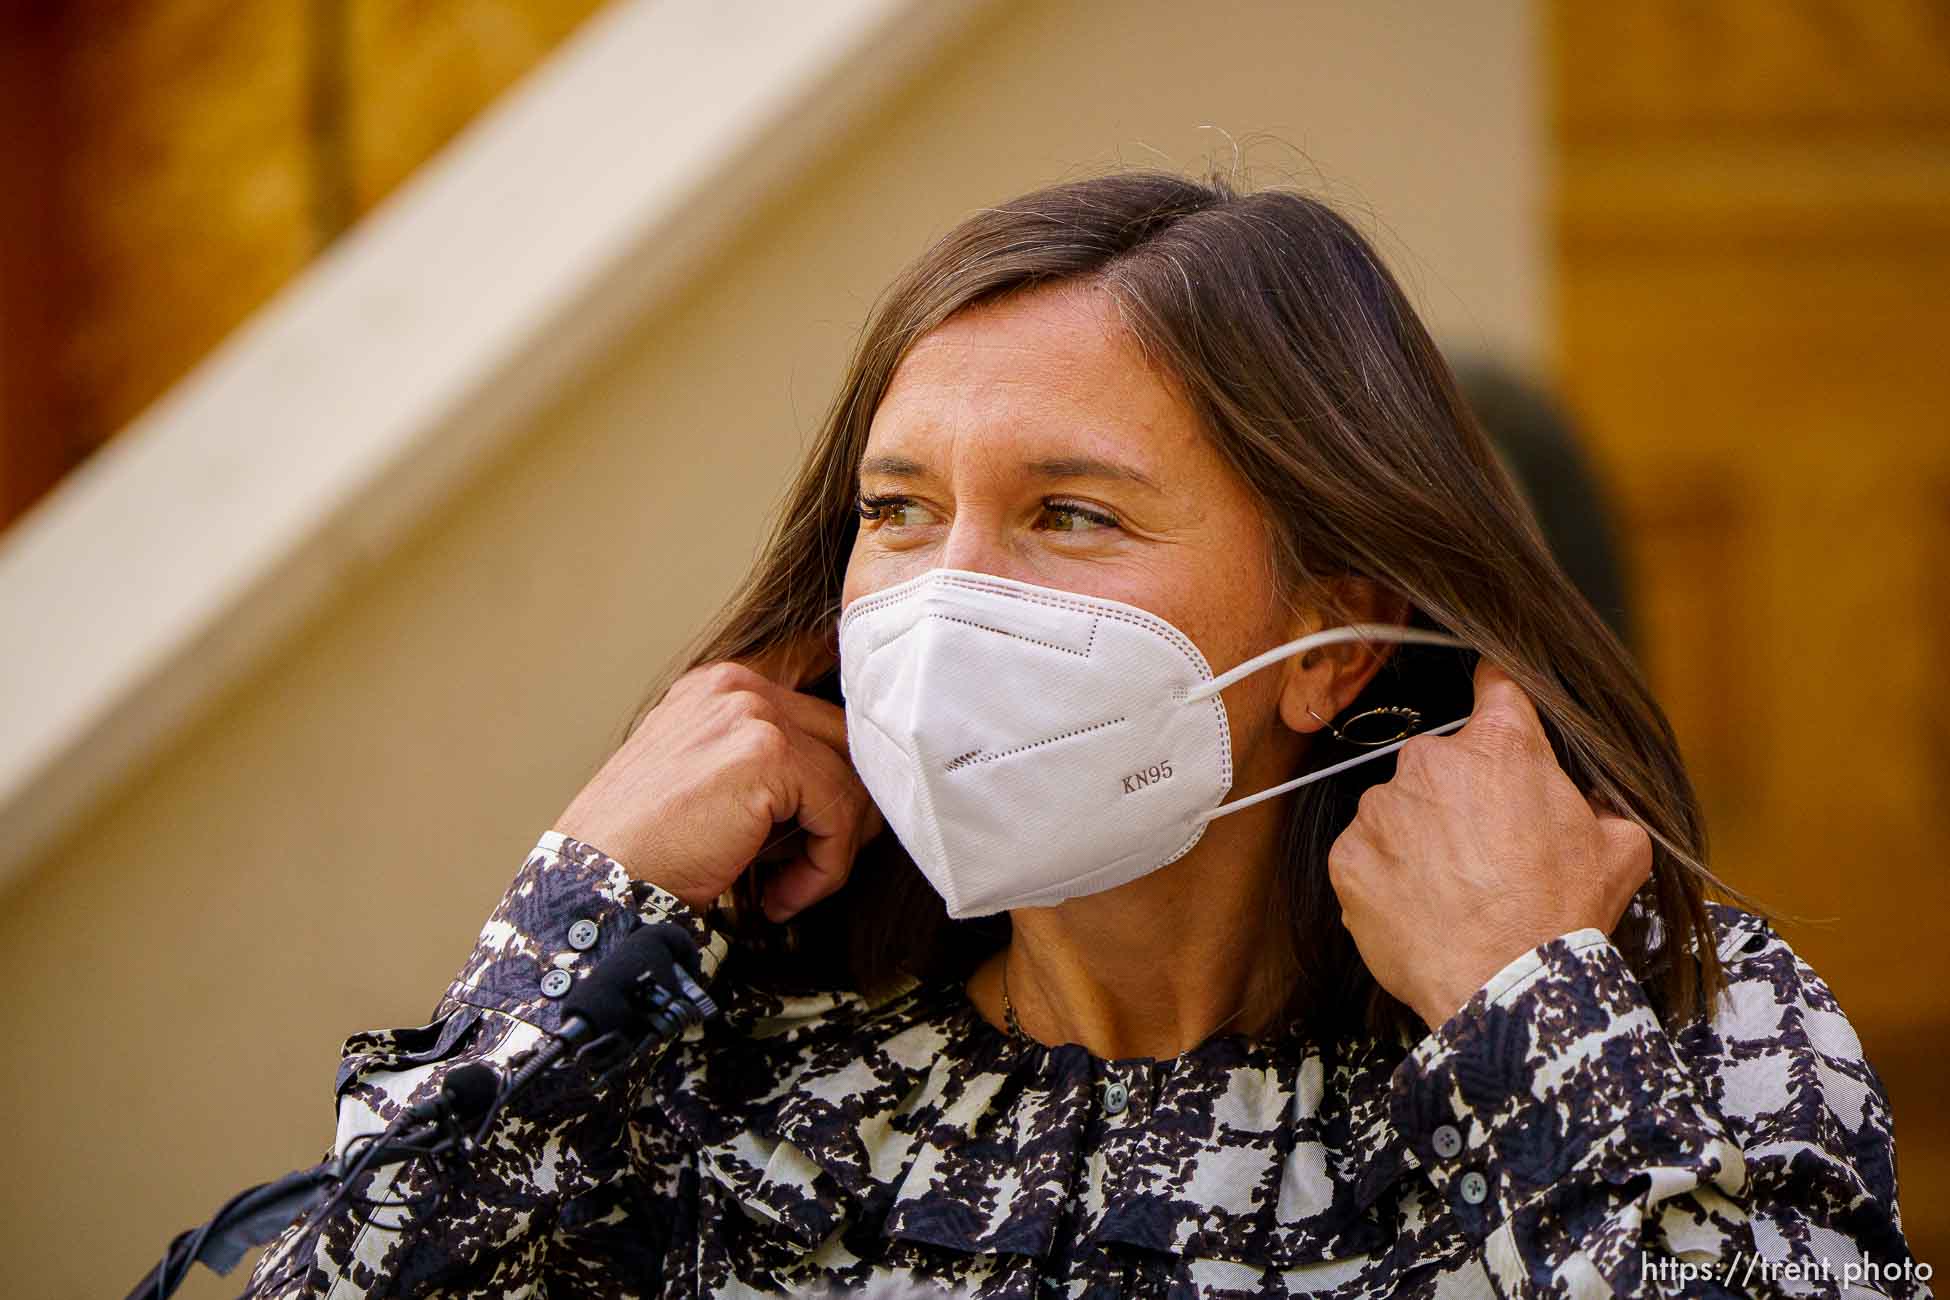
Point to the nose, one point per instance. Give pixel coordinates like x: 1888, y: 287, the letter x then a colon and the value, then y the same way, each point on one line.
x: 976, y: 545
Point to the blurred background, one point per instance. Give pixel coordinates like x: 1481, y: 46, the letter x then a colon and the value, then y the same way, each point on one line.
x: 389, y: 388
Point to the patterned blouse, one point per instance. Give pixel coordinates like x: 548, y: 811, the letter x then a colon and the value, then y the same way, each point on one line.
x: 1549, y: 1139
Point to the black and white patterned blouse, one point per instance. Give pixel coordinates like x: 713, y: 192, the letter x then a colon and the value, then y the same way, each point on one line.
x: 1549, y: 1139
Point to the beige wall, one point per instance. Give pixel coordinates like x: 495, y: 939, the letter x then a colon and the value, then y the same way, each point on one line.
x: 315, y: 857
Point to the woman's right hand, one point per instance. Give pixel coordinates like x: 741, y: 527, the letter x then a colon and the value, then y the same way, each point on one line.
x: 732, y: 761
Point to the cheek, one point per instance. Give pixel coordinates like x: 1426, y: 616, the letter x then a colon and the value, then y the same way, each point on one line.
x: 1219, y: 588
x: 866, y: 570
x: 1230, y: 624
x: 1230, y: 618
x: 1253, y: 715
x: 869, y: 570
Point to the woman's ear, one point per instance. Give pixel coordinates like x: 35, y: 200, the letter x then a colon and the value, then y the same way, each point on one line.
x: 1327, y: 679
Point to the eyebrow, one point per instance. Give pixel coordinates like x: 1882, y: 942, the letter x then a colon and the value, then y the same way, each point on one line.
x: 893, y: 467
x: 1090, y: 467
x: 1059, y: 467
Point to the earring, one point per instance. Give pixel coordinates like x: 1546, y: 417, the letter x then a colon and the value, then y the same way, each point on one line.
x: 1404, y: 719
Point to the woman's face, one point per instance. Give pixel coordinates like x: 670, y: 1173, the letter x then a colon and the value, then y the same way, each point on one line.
x: 1029, y: 439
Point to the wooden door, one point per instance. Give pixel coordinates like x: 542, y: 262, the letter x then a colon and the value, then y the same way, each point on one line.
x: 1753, y: 270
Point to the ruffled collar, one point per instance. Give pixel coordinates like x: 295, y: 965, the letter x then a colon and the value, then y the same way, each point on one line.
x: 917, y: 1114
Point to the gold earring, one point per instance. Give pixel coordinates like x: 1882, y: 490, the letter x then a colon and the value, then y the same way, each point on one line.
x: 1399, y: 716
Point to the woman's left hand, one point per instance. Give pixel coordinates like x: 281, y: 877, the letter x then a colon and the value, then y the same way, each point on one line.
x: 1476, y: 851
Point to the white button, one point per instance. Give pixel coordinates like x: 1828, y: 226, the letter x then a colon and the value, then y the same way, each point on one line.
x: 1116, y: 1098
x: 1447, y: 1140
x: 556, y: 983
x: 1474, y: 1187
x: 582, y: 935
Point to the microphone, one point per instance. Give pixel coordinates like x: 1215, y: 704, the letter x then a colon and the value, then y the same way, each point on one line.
x: 465, y: 1094
x: 646, y: 984
x: 644, y: 991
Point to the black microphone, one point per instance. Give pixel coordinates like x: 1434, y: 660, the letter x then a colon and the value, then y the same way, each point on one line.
x: 465, y: 1094
x: 647, y: 984
x: 644, y: 991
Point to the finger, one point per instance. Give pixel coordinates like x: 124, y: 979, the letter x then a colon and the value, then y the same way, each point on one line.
x: 789, y: 843
x: 1628, y: 849
x: 832, y: 814
x: 821, y: 865
x: 797, y: 661
x: 1627, y: 858
x: 1500, y: 702
x: 802, y: 881
x: 822, y: 720
x: 793, y: 888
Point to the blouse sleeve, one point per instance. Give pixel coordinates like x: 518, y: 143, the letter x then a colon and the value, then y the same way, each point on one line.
x: 1589, y: 1153
x: 530, y: 1211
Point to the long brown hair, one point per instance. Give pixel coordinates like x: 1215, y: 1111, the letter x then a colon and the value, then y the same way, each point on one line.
x: 1315, y: 379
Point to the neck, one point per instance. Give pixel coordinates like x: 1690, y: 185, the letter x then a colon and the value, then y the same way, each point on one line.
x: 1154, y: 967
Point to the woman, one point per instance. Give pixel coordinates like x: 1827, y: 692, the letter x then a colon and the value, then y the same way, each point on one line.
x: 1467, y: 1026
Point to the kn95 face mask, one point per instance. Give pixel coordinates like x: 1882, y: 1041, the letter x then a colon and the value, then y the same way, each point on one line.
x: 1030, y: 745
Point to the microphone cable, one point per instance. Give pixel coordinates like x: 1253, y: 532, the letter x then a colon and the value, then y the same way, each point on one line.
x: 640, y: 994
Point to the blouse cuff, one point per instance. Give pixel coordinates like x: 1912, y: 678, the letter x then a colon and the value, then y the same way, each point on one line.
x: 1556, y: 1073
x: 568, y: 908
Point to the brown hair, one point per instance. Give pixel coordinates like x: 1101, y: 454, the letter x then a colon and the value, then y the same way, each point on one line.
x: 1314, y: 378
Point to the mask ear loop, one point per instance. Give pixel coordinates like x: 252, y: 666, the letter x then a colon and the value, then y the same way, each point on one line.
x: 1330, y: 636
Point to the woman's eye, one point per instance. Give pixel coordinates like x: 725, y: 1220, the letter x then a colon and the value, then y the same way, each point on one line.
x: 892, y: 512
x: 1070, y: 517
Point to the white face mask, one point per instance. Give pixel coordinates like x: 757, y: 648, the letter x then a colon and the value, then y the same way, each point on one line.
x: 1030, y: 745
